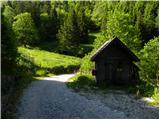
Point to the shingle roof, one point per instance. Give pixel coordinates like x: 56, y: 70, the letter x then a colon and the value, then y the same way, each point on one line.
x: 108, y: 43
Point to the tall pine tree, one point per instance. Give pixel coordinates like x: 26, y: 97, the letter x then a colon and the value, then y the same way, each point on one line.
x: 69, y: 33
x: 82, y: 22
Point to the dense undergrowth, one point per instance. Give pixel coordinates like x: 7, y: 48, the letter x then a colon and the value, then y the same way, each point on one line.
x: 11, y: 91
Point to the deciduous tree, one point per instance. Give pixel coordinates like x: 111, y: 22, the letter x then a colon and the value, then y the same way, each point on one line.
x: 24, y: 29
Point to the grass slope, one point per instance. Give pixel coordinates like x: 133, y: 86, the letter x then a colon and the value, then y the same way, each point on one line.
x: 49, y: 62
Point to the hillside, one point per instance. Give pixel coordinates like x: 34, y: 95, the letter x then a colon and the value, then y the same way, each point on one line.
x: 49, y: 62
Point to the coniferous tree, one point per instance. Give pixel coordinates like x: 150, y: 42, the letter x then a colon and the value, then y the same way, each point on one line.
x: 49, y: 26
x: 150, y: 13
x: 35, y: 13
x: 44, y: 27
x: 74, y: 28
x: 82, y: 22
x: 54, y: 23
x: 69, y: 33
x: 145, y: 14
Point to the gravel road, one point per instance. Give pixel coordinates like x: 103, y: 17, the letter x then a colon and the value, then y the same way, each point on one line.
x: 50, y: 98
x: 119, y: 100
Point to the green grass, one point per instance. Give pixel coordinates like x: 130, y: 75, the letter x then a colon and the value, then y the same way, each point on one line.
x: 96, y: 34
x: 155, y: 97
x: 49, y: 62
x: 92, y: 36
x: 81, y: 82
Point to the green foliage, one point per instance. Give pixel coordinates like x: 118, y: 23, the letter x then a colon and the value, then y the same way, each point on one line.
x: 120, y: 25
x: 24, y: 29
x: 145, y: 89
x: 40, y: 72
x: 150, y: 13
x: 86, y: 48
x: 87, y: 65
x: 69, y: 34
x: 53, y: 63
x: 8, y: 42
x: 143, y: 16
x: 98, y: 12
x: 44, y: 26
x: 8, y: 14
x: 149, y: 62
x: 82, y: 22
x: 49, y: 26
x: 81, y: 82
x: 155, y: 96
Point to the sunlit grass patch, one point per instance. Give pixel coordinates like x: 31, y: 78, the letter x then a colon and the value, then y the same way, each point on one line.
x: 49, y: 62
x: 38, y: 78
x: 50, y: 74
x: 40, y: 72
x: 81, y: 82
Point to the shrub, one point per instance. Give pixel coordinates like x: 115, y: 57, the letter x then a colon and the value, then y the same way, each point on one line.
x: 145, y: 89
x: 149, y: 62
x: 81, y: 82
x: 40, y: 72
x: 87, y: 65
x: 155, y: 96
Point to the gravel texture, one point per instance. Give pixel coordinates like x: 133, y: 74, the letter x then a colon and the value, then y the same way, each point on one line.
x: 50, y: 98
x: 119, y: 100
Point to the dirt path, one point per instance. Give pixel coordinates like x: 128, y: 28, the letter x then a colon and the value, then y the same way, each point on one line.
x: 50, y: 98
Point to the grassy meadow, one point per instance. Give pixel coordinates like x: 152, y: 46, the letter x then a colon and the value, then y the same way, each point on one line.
x: 49, y: 62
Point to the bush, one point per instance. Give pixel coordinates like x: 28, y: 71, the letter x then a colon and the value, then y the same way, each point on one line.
x: 81, y: 82
x: 87, y: 65
x: 145, y: 89
x: 40, y: 72
x: 149, y: 62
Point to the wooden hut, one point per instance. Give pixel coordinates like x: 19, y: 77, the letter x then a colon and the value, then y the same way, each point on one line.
x: 114, y: 64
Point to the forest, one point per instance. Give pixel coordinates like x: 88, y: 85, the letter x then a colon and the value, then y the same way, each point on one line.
x: 46, y: 38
